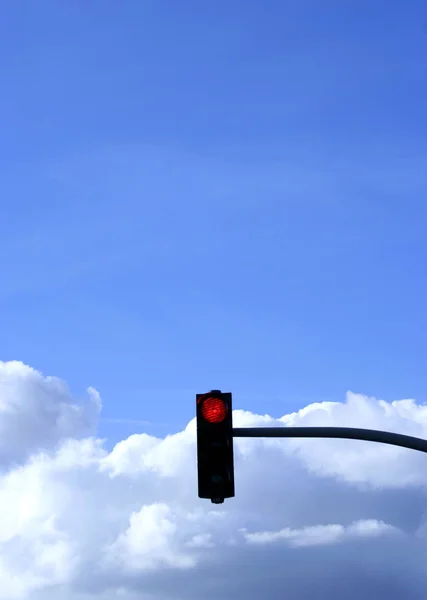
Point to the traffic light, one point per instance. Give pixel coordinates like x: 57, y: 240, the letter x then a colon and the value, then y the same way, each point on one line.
x: 215, y: 460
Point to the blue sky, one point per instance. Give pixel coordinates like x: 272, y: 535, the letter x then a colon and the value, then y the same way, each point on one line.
x: 227, y: 194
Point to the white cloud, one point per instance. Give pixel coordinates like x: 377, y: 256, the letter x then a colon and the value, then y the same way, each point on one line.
x: 311, y: 517
x: 363, y: 462
x: 37, y: 412
x: 322, y: 534
x: 151, y: 541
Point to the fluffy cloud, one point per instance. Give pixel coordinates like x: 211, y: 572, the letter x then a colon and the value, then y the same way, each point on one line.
x: 327, y: 518
x: 37, y: 412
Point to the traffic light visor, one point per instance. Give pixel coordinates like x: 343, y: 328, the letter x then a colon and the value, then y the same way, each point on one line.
x: 214, y: 410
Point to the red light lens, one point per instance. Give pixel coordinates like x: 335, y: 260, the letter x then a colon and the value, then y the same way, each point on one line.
x: 214, y: 410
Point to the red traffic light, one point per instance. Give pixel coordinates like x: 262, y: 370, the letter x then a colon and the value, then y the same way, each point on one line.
x: 214, y: 410
x: 215, y: 461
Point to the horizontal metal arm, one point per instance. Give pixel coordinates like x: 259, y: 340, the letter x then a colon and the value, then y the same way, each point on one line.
x: 368, y: 435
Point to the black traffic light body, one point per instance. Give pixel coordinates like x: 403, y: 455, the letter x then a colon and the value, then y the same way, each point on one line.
x: 215, y: 457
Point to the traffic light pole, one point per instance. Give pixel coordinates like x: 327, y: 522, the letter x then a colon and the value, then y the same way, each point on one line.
x: 349, y: 433
x: 215, y: 433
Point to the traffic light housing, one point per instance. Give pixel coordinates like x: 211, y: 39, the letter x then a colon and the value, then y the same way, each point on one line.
x: 215, y: 458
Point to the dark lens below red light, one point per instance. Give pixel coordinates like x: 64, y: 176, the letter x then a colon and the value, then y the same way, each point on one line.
x: 214, y: 410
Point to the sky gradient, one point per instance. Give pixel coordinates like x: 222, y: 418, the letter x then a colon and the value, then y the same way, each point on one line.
x: 226, y: 195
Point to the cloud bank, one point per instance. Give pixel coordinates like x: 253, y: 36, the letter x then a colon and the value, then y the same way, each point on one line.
x: 322, y: 518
